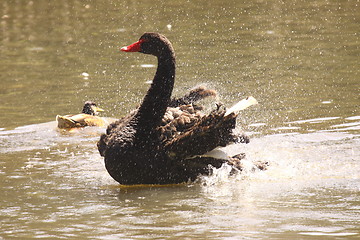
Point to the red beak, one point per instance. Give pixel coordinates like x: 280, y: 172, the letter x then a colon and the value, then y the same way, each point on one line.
x: 135, y: 47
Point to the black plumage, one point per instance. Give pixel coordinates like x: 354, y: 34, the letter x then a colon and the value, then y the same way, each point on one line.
x: 162, y: 141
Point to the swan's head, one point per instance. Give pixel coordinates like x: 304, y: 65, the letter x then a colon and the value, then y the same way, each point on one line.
x: 150, y: 43
x: 91, y: 108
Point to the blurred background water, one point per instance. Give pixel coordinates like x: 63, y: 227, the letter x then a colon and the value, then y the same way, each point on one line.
x: 300, y: 59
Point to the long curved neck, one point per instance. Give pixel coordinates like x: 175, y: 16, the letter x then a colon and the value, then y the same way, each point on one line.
x: 158, y: 96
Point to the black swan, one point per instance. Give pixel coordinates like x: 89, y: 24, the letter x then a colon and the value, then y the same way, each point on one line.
x: 162, y: 142
x: 87, y: 117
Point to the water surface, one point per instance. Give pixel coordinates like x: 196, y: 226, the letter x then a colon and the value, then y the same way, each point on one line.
x: 298, y: 58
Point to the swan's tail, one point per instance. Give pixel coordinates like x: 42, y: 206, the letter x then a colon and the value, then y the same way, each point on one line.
x: 243, y: 104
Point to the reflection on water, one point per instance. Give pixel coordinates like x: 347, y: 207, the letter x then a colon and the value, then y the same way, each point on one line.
x: 298, y: 58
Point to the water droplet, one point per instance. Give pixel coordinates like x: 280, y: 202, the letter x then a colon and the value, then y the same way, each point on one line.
x: 147, y: 65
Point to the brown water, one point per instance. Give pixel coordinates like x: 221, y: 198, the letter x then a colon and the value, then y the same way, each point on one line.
x: 300, y: 59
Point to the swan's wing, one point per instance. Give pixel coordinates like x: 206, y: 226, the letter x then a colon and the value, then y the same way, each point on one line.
x: 243, y: 104
x: 177, y: 121
x: 193, y: 96
x: 209, y: 132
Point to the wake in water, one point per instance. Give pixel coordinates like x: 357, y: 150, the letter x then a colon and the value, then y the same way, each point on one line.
x: 295, y: 154
x: 316, y: 155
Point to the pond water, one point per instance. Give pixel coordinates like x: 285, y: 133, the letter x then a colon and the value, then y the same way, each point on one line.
x: 299, y: 59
